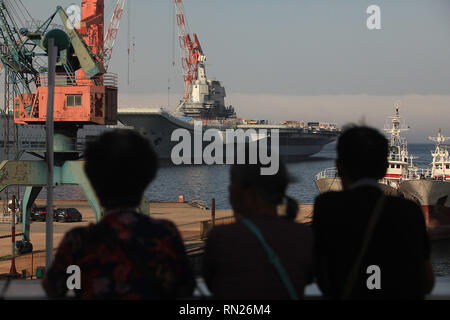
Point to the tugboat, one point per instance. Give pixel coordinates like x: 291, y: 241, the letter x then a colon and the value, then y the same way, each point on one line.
x: 399, y: 168
x: 431, y: 188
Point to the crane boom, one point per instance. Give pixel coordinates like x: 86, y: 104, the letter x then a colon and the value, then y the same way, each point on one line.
x: 16, y: 55
x: 190, y: 50
x: 111, y: 35
x: 91, y: 24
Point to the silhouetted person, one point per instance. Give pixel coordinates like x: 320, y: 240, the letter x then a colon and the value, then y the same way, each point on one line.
x: 399, y: 245
x: 236, y: 263
x: 127, y: 255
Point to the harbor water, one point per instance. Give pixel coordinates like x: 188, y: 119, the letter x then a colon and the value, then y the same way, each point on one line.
x: 201, y: 182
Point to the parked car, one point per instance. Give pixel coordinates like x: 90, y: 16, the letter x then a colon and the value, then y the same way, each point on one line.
x: 39, y: 213
x: 68, y: 215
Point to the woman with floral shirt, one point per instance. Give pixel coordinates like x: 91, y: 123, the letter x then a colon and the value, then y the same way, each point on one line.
x: 127, y: 255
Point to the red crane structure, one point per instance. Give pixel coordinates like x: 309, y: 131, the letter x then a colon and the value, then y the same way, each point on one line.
x: 190, y: 50
x: 111, y: 34
x: 92, y: 24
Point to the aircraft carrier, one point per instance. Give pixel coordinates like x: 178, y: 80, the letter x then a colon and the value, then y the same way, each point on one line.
x: 206, y: 103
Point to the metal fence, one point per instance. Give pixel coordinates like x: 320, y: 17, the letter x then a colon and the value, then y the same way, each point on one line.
x: 64, y: 79
x: 27, y: 264
x: 206, y: 226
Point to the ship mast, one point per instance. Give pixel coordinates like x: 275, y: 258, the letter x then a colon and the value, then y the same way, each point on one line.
x: 398, y: 145
x: 440, y: 139
x: 440, y: 167
x: 396, y: 129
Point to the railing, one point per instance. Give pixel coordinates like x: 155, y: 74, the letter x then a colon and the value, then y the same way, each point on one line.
x: 207, y: 225
x: 413, y: 174
x: 424, y: 174
x: 397, y: 157
x: 327, y: 173
x: 38, y: 143
x: 234, y: 123
x: 64, y: 79
x: 33, y: 290
x: 27, y: 264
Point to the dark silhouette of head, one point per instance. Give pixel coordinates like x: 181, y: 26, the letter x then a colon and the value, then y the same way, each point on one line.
x: 362, y: 153
x: 254, y: 194
x: 120, y: 164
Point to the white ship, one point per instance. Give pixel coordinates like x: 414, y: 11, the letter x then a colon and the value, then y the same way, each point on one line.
x: 399, y: 162
x: 431, y: 188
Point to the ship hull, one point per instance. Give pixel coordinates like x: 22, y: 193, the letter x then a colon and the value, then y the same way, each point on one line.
x: 329, y: 184
x: 434, y: 196
x: 427, y: 192
x: 157, y: 125
x: 335, y: 184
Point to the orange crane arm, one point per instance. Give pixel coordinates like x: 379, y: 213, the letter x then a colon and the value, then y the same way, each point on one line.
x: 190, y: 49
x: 92, y: 24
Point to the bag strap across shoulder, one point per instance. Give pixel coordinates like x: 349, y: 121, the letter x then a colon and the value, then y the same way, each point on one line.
x: 273, y: 258
x: 351, y: 279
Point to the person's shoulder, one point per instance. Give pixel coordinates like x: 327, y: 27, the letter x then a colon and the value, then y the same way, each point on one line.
x: 400, y: 201
x: 331, y: 199
x: 163, y: 225
x: 78, y: 237
x: 403, y: 206
x: 221, y: 232
x: 227, y: 228
x: 142, y: 219
x: 329, y: 196
x: 144, y: 225
x: 78, y: 233
x: 264, y: 223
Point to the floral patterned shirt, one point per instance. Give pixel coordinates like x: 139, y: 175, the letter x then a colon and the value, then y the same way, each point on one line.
x: 125, y: 256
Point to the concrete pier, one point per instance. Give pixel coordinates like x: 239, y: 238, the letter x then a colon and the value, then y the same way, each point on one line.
x: 188, y: 217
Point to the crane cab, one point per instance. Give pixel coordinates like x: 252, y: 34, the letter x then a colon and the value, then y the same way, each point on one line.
x: 78, y: 100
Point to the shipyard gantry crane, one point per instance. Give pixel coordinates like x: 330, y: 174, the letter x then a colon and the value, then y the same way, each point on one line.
x: 190, y: 49
x: 84, y: 94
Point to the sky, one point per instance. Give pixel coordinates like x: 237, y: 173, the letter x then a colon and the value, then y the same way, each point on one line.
x: 312, y: 60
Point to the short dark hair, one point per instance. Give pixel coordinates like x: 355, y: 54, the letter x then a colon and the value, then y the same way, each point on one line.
x: 120, y: 164
x: 362, y: 153
x: 270, y: 188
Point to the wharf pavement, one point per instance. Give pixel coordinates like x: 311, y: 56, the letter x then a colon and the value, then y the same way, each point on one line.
x: 187, y: 216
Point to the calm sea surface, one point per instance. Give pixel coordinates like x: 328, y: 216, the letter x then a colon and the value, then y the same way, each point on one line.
x: 201, y: 182
x: 206, y: 182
